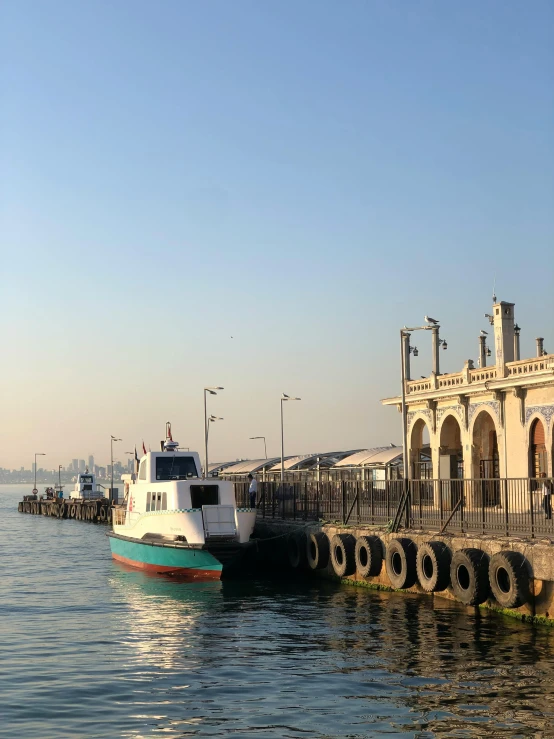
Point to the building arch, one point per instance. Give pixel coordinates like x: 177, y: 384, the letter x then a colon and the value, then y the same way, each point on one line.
x: 538, y: 455
x: 484, y: 439
x: 451, y: 464
x: 421, y: 467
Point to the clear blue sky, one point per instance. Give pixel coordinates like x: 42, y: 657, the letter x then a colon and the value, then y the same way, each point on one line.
x: 304, y: 176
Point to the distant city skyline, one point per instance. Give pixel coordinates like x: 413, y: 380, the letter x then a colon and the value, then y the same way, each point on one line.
x: 259, y: 196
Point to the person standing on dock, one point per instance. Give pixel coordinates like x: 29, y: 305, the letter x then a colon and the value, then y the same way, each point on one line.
x: 253, y: 490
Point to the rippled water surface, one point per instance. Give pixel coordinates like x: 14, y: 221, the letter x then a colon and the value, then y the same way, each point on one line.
x: 89, y: 649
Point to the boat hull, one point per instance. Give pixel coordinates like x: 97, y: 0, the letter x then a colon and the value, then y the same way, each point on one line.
x: 188, y: 563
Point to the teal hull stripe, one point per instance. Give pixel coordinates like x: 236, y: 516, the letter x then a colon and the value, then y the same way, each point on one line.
x: 165, y: 556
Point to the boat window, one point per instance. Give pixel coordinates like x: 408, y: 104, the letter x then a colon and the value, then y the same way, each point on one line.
x: 148, y: 498
x: 164, y: 501
x: 142, y: 471
x: 158, y: 501
x: 175, y: 467
x: 86, y: 478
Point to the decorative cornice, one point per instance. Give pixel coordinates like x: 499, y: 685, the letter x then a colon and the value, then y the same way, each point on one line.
x: 546, y: 411
x: 493, y: 405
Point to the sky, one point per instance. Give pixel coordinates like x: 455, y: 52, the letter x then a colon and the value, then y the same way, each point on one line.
x: 258, y: 195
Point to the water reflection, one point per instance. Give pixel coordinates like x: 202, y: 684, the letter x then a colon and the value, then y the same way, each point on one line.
x: 330, y: 661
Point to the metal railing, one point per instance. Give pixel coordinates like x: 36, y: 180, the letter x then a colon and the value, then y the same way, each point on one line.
x: 513, y: 506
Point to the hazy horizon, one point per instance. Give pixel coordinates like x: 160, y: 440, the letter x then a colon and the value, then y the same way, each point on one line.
x: 258, y: 196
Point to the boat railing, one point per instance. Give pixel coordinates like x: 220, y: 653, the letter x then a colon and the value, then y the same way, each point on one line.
x: 123, y: 517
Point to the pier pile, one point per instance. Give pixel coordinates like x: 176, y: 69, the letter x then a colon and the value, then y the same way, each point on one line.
x: 94, y: 511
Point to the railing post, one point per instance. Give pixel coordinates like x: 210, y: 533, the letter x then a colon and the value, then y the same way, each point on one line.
x: 343, y: 491
x: 441, y: 511
x: 294, y: 501
x: 482, y: 506
x: 506, y: 515
x: 531, y: 510
x: 358, y: 502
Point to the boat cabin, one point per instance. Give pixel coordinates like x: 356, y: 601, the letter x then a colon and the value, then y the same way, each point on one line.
x: 86, y: 488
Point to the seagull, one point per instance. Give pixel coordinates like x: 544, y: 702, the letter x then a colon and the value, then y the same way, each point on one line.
x: 483, y: 333
x: 430, y: 320
x: 285, y: 395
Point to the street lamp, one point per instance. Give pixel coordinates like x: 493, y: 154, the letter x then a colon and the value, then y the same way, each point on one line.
x: 261, y: 437
x: 283, y: 400
x: 404, y: 335
x: 211, y: 419
x: 211, y: 391
x: 37, y: 454
x: 112, y: 439
x: 60, y: 476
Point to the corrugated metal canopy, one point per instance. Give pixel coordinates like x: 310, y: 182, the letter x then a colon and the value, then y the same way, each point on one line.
x: 326, y: 459
x: 363, y: 457
x: 250, y: 466
x: 220, y: 466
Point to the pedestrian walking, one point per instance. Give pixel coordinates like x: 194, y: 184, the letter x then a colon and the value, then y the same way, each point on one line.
x: 253, y: 490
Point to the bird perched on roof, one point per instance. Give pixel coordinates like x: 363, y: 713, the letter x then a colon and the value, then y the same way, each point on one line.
x: 431, y: 320
x: 483, y: 333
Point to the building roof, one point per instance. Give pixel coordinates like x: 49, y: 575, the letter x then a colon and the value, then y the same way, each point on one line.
x: 249, y: 466
x: 325, y: 459
x: 360, y: 458
x: 218, y: 466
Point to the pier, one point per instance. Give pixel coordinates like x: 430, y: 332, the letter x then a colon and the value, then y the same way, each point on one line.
x: 93, y: 511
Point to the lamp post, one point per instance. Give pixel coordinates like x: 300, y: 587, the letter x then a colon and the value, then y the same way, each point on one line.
x: 37, y: 454
x: 112, y: 439
x: 260, y: 437
x: 211, y: 391
x: 404, y: 342
x: 60, y: 476
x: 212, y: 419
x: 284, y: 398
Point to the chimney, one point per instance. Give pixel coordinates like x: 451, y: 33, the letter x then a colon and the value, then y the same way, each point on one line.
x: 503, y: 314
x: 482, y: 354
x: 540, y: 347
x: 517, y: 355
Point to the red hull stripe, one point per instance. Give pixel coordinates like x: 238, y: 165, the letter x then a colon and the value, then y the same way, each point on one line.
x: 189, y: 572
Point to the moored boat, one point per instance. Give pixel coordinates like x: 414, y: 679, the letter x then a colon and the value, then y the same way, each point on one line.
x: 176, y: 522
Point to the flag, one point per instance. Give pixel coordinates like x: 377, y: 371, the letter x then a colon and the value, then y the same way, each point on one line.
x: 143, y: 447
x: 169, y: 432
x: 136, y: 456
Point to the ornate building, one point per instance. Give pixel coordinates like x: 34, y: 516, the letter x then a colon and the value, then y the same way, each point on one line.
x: 485, y: 422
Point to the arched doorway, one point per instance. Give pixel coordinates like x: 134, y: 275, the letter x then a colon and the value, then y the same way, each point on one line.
x: 538, y: 456
x: 420, y: 452
x: 451, y: 459
x: 486, y: 465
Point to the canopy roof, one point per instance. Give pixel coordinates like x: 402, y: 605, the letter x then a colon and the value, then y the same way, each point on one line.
x: 249, y: 466
x: 377, y: 457
x: 308, y: 461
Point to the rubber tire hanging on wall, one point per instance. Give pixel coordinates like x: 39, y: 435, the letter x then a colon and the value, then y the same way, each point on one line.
x: 509, y: 579
x: 433, y: 566
x: 469, y: 576
x: 343, y: 547
x: 368, y: 556
x: 317, y: 550
x: 296, y: 549
x: 401, y: 563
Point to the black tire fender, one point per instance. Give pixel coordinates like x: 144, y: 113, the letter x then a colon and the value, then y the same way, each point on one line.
x: 296, y: 549
x: 433, y: 566
x: 401, y: 563
x: 509, y: 579
x: 368, y: 555
x: 469, y: 575
x: 103, y: 515
x: 317, y: 550
x: 343, y: 547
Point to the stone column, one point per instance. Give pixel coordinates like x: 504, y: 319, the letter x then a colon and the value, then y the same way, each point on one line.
x: 540, y: 346
x: 482, y: 352
x: 436, y: 347
x: 517, y: 355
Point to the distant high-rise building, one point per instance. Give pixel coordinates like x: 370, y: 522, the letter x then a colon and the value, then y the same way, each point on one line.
x: 82, y: 465
x: 91, y: 462
x: 75, y: 465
